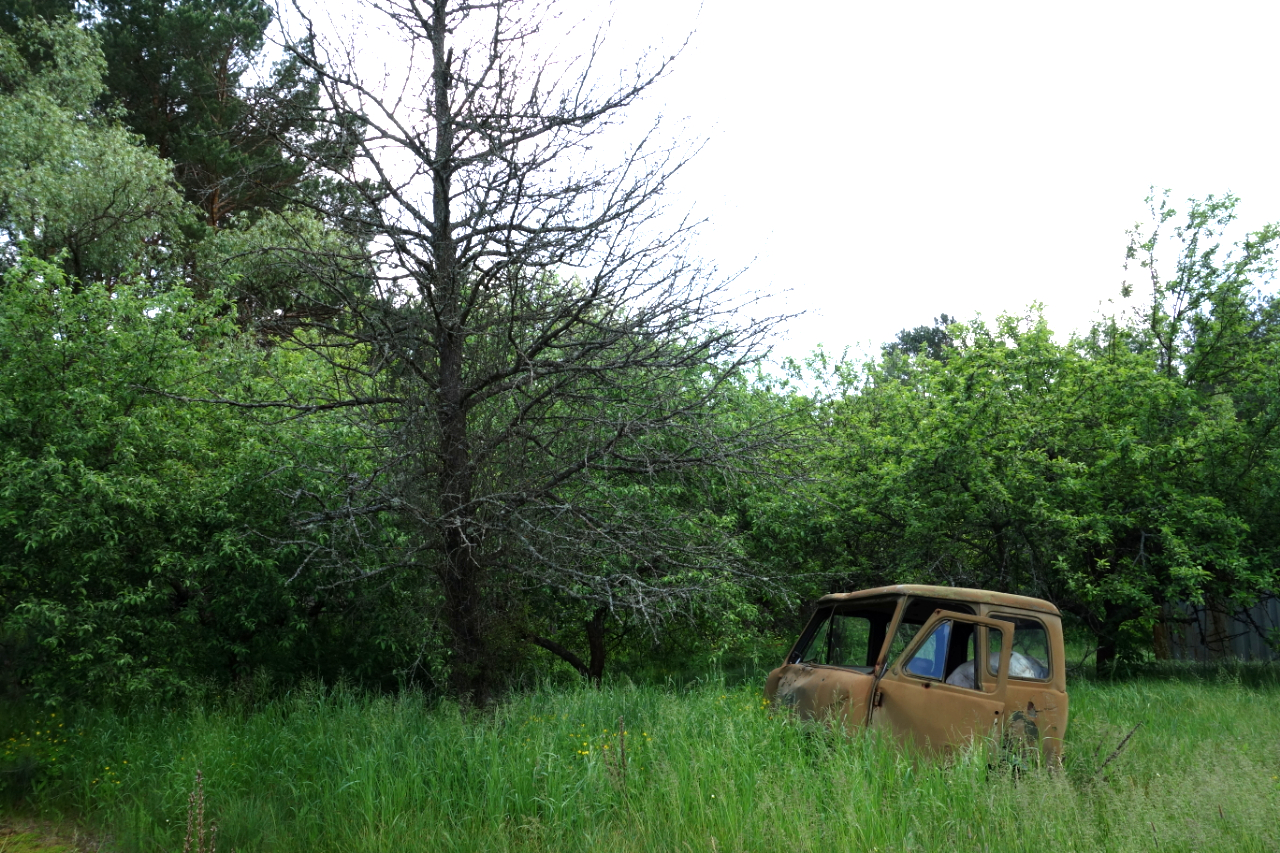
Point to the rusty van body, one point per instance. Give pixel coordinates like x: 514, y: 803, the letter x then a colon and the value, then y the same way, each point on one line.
x: 936, y: 666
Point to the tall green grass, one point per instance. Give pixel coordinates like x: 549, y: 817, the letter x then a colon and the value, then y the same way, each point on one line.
x: 707, y: 768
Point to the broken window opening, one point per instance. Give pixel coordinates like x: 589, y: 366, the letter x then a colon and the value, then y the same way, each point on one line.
x: 948, y: 651
x: 847, y: 637
x: 917, y: 612
x: 1030, y: 659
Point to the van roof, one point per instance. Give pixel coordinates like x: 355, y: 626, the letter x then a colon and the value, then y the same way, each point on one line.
x: 955, y: 593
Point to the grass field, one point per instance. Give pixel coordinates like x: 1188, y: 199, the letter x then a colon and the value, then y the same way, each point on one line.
x: 706, y: 768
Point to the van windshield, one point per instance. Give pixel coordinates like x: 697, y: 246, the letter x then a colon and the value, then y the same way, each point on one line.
x: 849, y: 636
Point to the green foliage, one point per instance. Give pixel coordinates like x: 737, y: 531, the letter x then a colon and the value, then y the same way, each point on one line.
x: 266, y: 262
x: 176, y: 67
x: 109, y: 199
x: 16, y: 12
x: 151, y: 541
x: 700, y: 592
x: 107, y: 502
x: 932, y: 341
x: 147, y: 541
x: 73, y: 184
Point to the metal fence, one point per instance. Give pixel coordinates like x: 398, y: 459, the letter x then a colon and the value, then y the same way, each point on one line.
x: 1213, y: 633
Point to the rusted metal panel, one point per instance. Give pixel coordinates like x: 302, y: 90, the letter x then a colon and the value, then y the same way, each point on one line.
x: 822, y: 693
x: 932, y: 688
x: 951, y: 593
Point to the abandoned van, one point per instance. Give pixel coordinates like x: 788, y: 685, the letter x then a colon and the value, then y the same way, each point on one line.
x: 937, y: 666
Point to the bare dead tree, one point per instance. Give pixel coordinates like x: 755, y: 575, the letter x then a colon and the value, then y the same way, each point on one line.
x: 546, y: 366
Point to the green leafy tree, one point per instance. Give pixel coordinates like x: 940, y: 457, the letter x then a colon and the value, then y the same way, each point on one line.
x: 932, y: 341
x: 150, y: 533
x: 147, y: 542
x: 75, y: 185
x: 177, y: 69
x: 15, y: 13
x: 672, y: 536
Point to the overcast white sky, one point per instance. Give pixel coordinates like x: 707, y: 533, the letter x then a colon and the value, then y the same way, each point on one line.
x: 883, y: 162
x: 888, y: 161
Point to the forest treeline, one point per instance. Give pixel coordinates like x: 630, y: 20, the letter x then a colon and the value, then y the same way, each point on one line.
x: 304, y: 380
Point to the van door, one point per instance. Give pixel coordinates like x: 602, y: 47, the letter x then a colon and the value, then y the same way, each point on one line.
x: 936, y: 694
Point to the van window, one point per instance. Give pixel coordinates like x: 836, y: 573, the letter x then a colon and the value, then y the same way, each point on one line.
x: 930, y: 660
x: 1029, y: 659
x: 917, y: 613
x: 946, y: 654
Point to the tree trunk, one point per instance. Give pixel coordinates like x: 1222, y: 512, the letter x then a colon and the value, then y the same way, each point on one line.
x: 593, y: 668
x: 1106, y: 656
x: 1218, y: 640
x: 595, y: 642
x: 463, y: 579
x: 1108, y: 632
x: 471, y: 671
